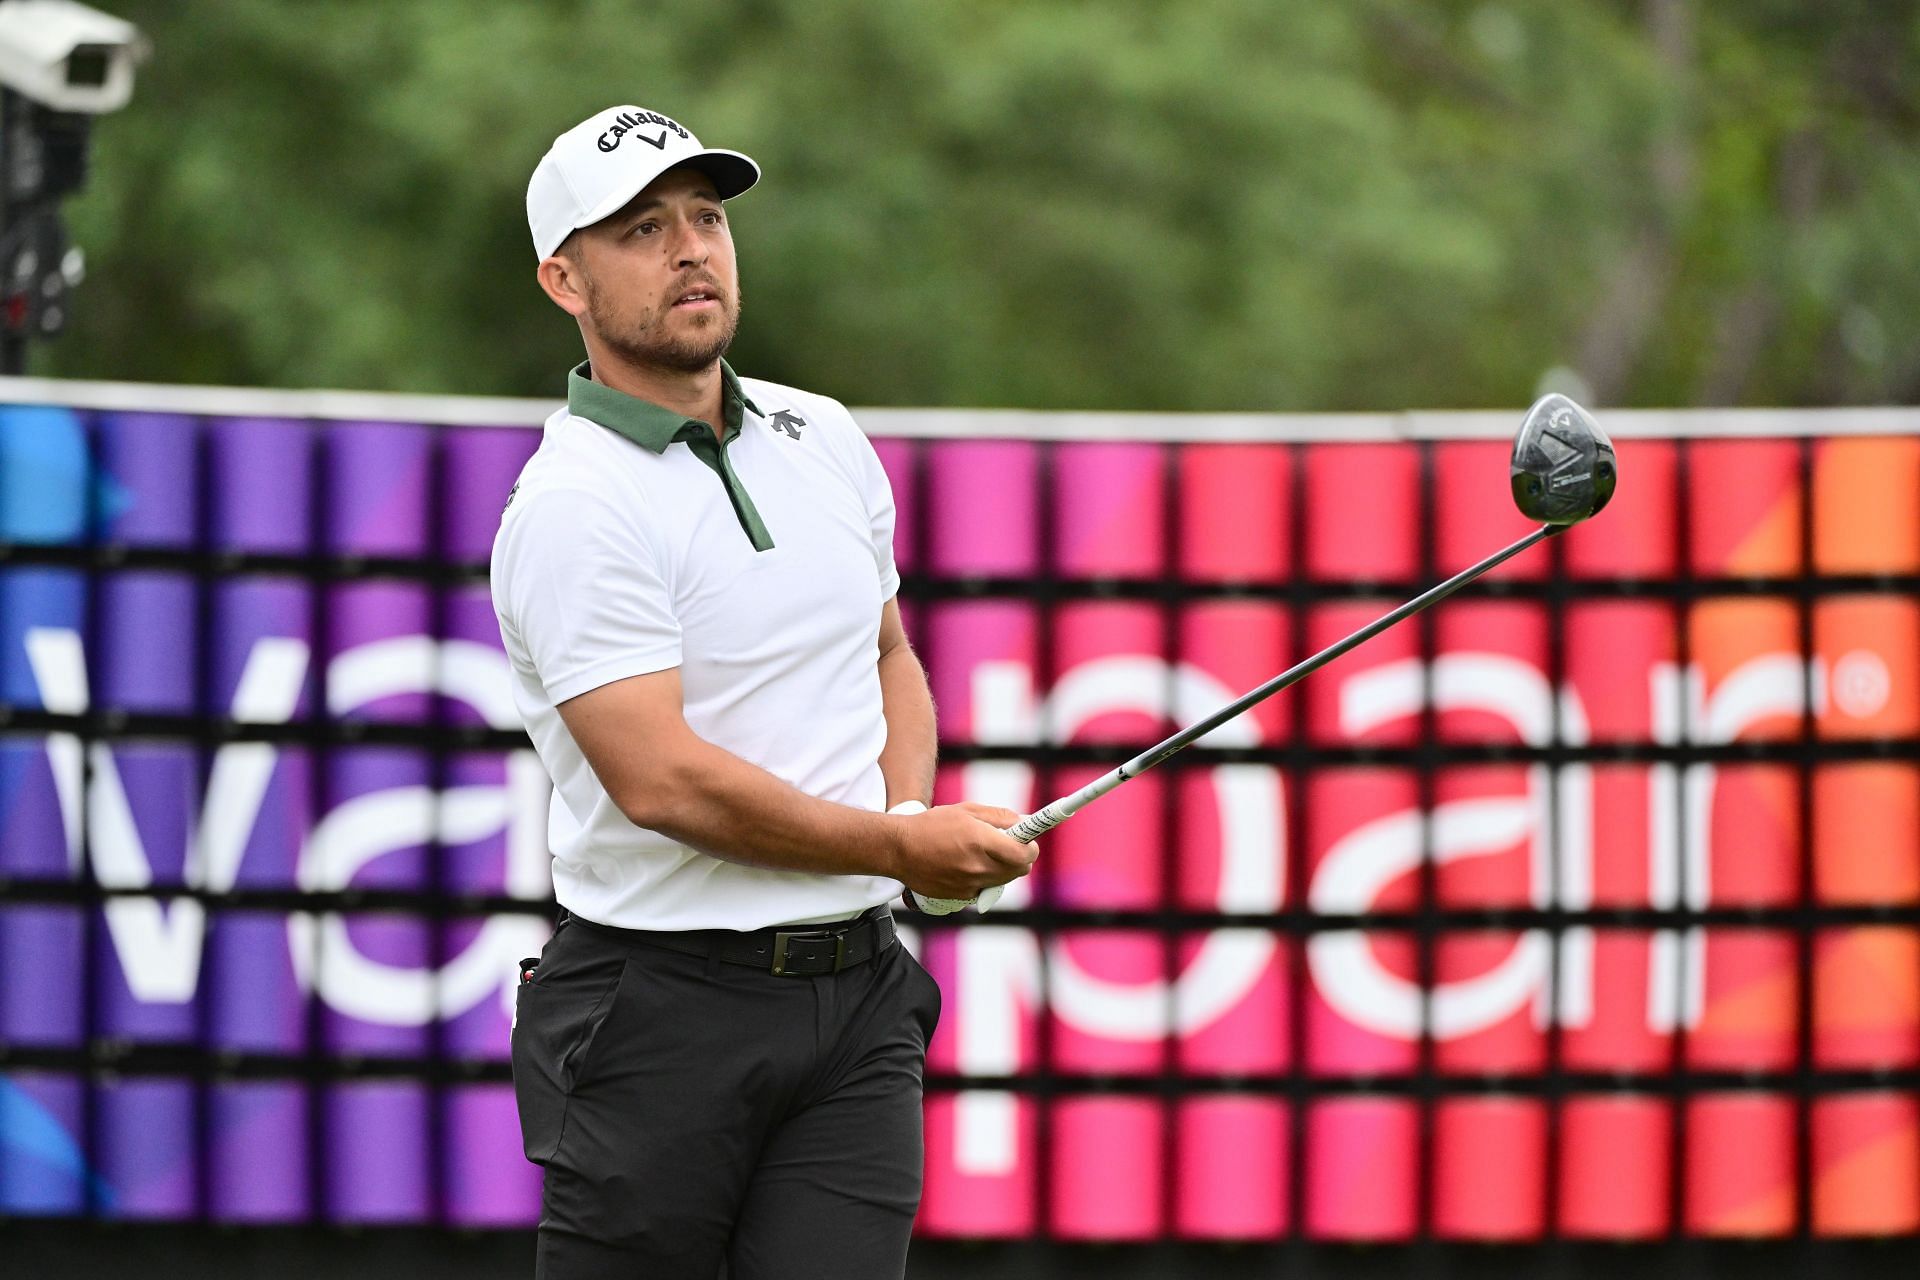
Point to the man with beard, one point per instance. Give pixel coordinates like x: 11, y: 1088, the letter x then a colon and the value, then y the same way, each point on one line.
x: 718, y: 1056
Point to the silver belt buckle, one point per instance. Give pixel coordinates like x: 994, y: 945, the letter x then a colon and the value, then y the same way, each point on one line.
x: 780, y: 941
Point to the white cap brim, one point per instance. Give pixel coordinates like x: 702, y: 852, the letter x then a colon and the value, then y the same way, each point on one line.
x: 731, y: 172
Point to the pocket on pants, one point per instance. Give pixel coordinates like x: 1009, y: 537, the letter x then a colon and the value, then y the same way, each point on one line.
x: 556, y: 1017
x: 928, y: 1010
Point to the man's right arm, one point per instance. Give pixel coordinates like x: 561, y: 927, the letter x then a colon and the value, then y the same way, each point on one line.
x: 578, y: 577
x: 666, y: 778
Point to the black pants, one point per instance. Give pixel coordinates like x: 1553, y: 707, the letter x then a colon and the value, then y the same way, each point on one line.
x: 690, y: 1111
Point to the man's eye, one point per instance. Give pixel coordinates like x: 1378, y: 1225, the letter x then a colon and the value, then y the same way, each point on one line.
x: 644, y: 228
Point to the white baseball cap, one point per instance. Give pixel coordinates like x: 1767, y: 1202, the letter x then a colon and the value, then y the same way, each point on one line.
x: 594, y: 168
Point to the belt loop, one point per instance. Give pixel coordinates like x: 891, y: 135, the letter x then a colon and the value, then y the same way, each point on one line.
x: 713, y: 960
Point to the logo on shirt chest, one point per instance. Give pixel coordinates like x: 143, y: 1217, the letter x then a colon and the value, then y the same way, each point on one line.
x: 786, y: 422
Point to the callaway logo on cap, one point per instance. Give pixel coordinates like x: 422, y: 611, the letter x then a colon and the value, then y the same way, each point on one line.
x: 594, y: 168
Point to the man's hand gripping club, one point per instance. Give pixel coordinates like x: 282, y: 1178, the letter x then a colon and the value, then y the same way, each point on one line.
x: 969, y: 857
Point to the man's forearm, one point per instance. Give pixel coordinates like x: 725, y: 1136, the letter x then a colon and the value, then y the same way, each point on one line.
x: 667, y: 778
x: 732, y: 809
x: 907, y: 761
x: 714, y: 801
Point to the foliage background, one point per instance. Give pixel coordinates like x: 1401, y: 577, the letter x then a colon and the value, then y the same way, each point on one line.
x: 1146, y: 204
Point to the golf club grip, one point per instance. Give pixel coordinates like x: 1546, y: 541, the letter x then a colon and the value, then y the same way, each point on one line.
x: 1041, y: 821
x: 1035, y: 825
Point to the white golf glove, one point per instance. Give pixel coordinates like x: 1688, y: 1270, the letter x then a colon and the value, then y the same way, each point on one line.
x: 946, y: 906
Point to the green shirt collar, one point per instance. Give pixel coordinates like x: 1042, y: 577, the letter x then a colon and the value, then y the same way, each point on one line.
x: 647, y: 424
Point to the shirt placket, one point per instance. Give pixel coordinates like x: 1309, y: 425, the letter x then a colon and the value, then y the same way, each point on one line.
x: 699, y: 438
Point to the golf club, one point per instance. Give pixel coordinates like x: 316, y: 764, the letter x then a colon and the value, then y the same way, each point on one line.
x: 1563, y: 471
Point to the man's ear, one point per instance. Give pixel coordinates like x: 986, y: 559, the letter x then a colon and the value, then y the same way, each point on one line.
x: 564, y: 278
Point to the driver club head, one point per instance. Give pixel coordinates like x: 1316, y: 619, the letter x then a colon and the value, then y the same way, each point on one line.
x: 1563, y: 463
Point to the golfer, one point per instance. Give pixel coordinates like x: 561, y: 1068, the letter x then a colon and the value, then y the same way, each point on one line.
x: 718, y: 1056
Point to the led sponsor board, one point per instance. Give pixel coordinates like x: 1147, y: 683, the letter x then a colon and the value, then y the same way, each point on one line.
x: 1587, y: 905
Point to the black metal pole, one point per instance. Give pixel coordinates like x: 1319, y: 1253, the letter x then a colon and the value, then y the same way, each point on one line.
x: 14, y: 310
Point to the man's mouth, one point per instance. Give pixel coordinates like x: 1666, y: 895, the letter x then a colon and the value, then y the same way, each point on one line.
x: 696, y: 298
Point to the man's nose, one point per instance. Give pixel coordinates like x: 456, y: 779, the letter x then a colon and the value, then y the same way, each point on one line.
x: 689, y: 249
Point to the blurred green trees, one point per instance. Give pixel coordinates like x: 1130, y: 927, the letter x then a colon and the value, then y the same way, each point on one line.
x: 1151, y: 204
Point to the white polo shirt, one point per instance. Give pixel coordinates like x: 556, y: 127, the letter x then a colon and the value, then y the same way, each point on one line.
x: 632, y: 543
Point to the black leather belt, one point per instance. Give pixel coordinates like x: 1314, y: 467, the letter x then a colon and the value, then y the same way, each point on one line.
x: 789, y: 952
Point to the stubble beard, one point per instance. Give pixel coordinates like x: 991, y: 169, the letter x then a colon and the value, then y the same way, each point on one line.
x: 647, y: 342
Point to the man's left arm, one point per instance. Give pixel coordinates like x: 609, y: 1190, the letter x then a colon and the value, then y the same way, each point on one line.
x: 907, y: 703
